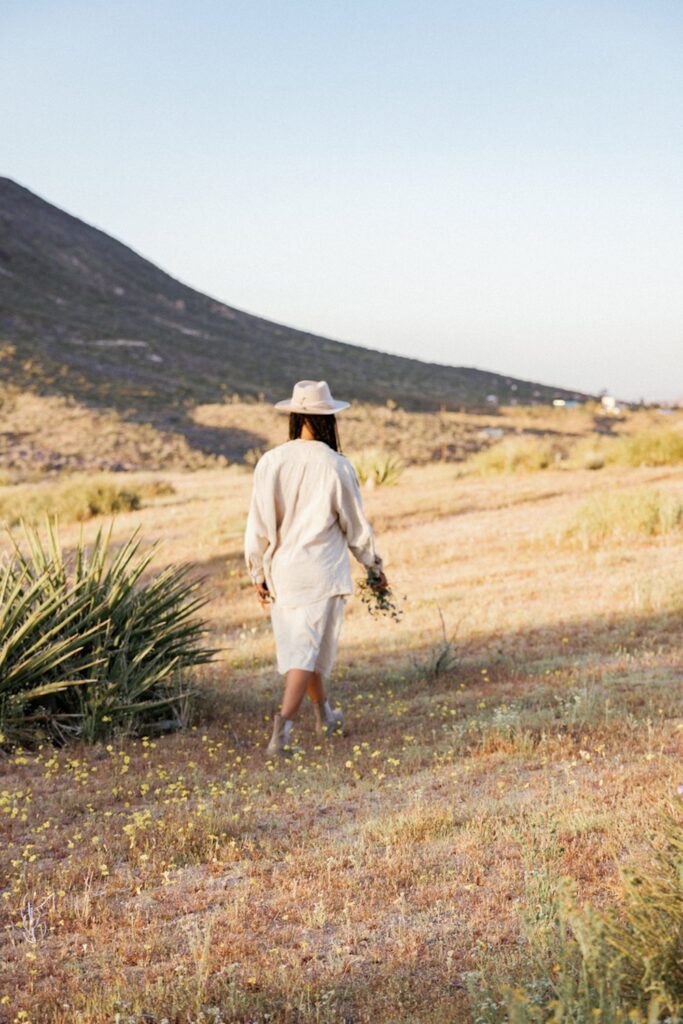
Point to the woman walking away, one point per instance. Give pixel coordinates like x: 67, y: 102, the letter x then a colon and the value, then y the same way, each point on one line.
x: 306, y: 510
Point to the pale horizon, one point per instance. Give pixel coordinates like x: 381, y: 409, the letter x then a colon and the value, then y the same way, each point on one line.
x: 488, y: 188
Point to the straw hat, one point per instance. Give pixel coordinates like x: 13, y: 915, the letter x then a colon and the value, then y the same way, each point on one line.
x: 314, y: 397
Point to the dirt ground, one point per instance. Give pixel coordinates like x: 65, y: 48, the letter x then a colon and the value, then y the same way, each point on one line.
x: 524, y: 720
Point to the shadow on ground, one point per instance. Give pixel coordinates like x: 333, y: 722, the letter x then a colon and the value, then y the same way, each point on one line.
x: 580, y: 650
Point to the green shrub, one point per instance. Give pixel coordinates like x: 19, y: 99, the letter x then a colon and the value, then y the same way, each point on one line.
x: 644, y: 512
x: 376, y: 468
x: 87, y: 647
x: 513, y: 455
x: 73, y: 499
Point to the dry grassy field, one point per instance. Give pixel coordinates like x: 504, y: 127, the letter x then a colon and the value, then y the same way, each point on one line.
x: 392, y: 874
x: 44, y: 434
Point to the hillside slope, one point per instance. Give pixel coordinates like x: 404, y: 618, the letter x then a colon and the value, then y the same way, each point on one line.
x: 84, y: 316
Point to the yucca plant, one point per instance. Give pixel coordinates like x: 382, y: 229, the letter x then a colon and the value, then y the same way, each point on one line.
x: 87, y: 645
x: 377, y: 468
x: 44, y: 636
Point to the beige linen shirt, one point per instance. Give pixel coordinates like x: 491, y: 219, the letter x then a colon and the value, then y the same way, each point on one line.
x: 306, y: 511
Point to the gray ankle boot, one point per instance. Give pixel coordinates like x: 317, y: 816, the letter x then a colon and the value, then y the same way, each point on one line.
x: 278, y: 744
x: 327, y: 725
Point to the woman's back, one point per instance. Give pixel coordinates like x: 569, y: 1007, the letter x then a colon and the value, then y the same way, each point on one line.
x: 307, y: 503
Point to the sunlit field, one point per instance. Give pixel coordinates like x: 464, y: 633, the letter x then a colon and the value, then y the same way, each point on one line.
x: 521, y: 724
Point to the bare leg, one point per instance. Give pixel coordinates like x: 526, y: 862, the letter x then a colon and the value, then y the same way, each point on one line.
x: 316, y: 690
x: 297, y: 681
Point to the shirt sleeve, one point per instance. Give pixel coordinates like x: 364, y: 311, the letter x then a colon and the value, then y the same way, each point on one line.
x: 355, y: 526
x: 256, y: 535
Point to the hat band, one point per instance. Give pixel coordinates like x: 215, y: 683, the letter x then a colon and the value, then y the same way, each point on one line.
x: 312, y: 406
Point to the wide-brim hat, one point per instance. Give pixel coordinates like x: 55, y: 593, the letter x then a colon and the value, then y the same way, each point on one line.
x: 313, y: 397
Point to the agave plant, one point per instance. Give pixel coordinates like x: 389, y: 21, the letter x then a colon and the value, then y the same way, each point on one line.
x: 89, y: 645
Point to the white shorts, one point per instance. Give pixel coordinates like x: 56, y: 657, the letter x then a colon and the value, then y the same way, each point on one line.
x: 306, y: 637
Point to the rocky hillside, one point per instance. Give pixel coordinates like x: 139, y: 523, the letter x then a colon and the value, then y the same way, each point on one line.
x: 85, y: 318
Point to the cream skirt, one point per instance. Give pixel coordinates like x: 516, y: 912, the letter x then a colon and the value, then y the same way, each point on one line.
x: 306, y: 637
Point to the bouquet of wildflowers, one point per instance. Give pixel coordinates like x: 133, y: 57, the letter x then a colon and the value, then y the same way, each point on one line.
x: 378, y: 597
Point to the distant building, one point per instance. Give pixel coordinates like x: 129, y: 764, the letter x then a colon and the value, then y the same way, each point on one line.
x: 610, y: 405
x: 566, y: 403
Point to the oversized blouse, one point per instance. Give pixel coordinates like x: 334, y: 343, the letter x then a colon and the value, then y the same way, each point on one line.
x: 306, y: 512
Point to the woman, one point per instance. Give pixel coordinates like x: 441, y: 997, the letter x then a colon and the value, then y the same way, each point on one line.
x: 306, y: 511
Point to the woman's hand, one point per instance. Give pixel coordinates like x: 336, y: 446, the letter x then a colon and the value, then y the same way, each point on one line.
x: 262, y: 593
x: 379, y: 581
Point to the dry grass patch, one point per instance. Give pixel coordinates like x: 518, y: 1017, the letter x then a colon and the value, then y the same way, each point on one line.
x: 184, y: 876
x: 656, y: 446
x: 623, y: 515
x: 71, y: 500
x: 513, y: 455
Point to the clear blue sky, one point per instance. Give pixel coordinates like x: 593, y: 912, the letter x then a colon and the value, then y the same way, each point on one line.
x: 495, y: 183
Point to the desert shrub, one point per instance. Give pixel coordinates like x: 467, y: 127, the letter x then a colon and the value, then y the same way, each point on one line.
x: 71, y: 500
x: 155, y: 488
x: 649, y: 448
x: 376, y: 468
x: 589, y: 453
x: 252, y: 455
x: 512, y: 455
x: 644, y: 512
x: 657, y: 447
x: 621, y: 967
x: 87, y: 647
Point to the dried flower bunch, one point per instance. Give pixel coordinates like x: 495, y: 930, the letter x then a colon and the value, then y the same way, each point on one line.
x: 378, y: 599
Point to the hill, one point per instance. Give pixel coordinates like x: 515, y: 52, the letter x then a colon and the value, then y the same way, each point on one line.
x: 84, y: 317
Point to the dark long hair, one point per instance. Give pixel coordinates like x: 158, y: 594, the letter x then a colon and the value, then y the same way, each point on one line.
x: 323, y: 428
